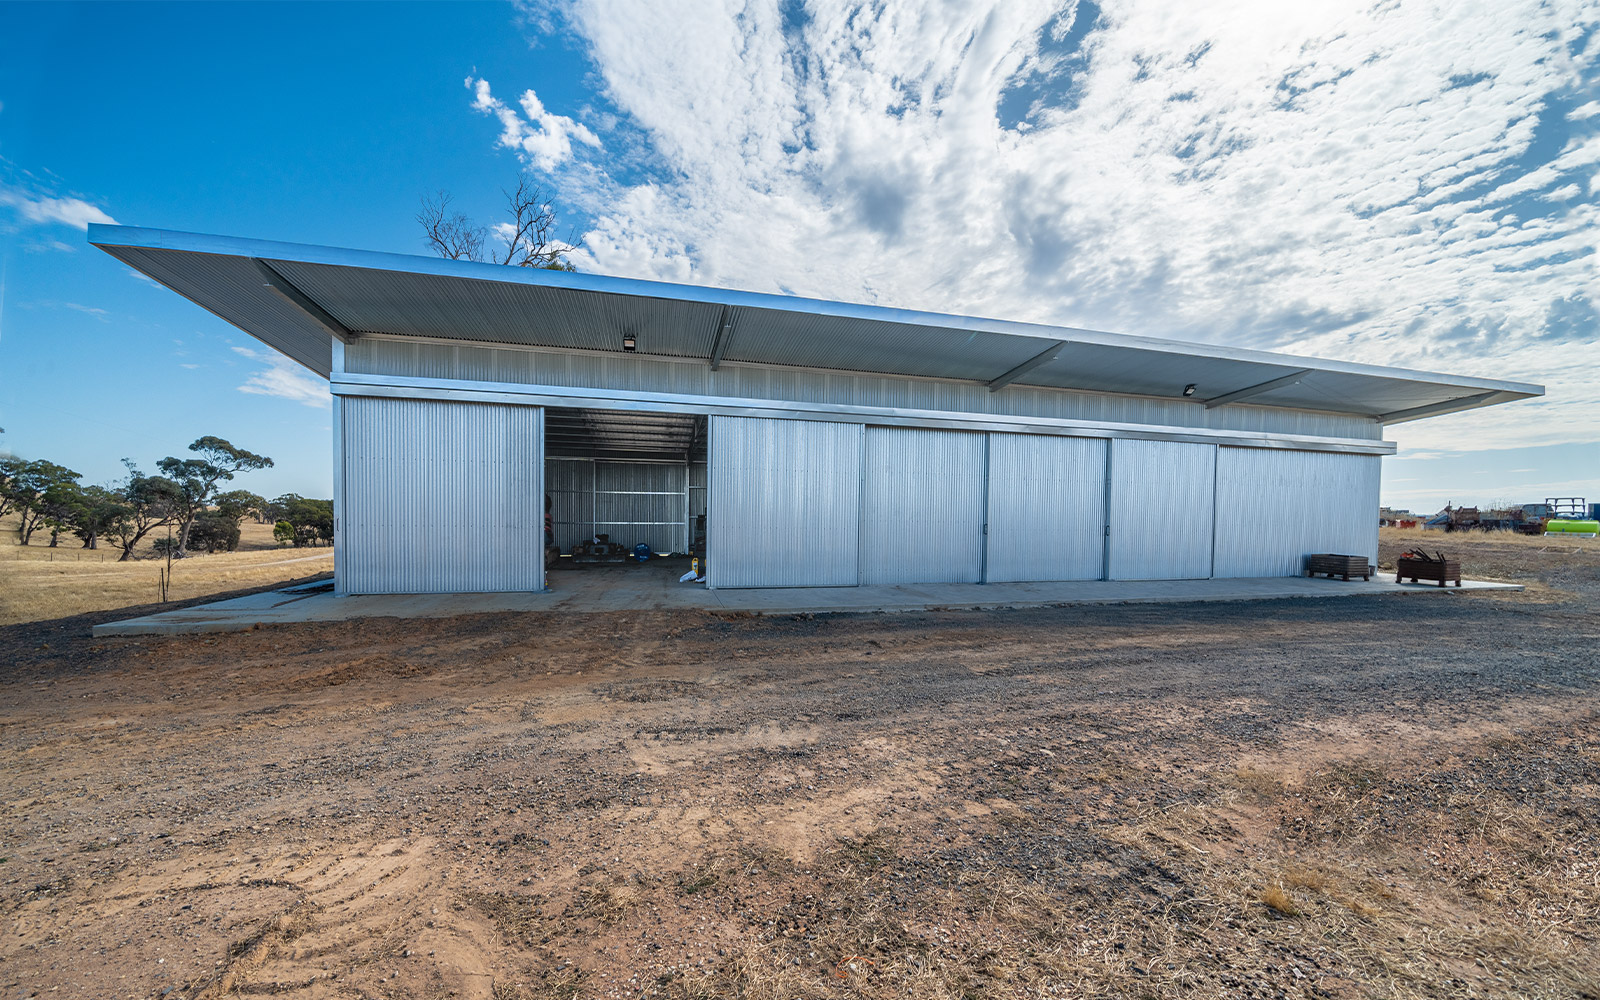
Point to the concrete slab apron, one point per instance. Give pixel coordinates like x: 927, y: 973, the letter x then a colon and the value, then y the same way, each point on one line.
x: 611, y: 589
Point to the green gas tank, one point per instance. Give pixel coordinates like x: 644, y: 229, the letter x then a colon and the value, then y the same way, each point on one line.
x: 1572, y: 527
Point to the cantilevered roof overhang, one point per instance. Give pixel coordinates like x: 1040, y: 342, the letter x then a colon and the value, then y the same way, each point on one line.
x: 299, y: 299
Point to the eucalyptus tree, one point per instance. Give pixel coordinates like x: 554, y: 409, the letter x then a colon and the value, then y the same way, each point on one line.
x: 199, y: 479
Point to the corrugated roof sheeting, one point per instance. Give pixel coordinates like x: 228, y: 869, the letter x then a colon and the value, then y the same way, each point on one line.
x: 232, y: 288
x: 610, y: 433
x: 461, y: 300
x: 428, y: 305
x: 1149, y: 373
x: 1341, y: 391
x: 807, y: 340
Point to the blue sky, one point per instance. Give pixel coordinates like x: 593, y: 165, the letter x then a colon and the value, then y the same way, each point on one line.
x: 1398, y: 183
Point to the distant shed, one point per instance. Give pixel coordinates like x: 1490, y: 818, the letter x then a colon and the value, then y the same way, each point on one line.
x: 825, y: 443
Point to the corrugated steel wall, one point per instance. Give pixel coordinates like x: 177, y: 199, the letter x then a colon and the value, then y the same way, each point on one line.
x: 632, y: 502
x: 570, y: 483
x: 697, y: 496
x: 922, y: 506
x: 643, y: 502
x: 1047, y: 508
x: 784, y: 503
x: 1162, y: 496
x: 441, y: 497
x: 377, y: 356
x: 1276, y: 507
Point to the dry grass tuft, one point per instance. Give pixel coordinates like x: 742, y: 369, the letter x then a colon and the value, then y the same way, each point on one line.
x: 1276, y: 898
x: 1301, y: 877
x: 606, y: 904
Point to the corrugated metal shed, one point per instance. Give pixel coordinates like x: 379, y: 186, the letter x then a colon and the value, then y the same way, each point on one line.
x: 785, y: 503
x: 299, y: 298
x: 922, y: 506
x: 1276, y: 508
x: 440, y: 497
x: 847, y: 443
x: 1161, y: 499
x: 1047, y: 508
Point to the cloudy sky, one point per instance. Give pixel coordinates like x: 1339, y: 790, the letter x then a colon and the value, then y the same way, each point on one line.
x: 1398, y: 183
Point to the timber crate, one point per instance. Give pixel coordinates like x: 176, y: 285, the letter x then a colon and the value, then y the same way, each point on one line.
x: 1337, y: 565
x: 1427, y: 571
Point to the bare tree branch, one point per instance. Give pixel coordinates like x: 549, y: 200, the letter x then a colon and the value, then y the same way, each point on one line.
x: 526, y: 240
x: 449, y: 234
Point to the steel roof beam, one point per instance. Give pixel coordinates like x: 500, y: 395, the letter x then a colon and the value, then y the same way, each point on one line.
x: 724, y: 334
x: 1028, y: 366
x: 632, y: 438
x: 295, y: 297
x: 1446, y: 406
x: 614, y: 455
x: 1256, y: 390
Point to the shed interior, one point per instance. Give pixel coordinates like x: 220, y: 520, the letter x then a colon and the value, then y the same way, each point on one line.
x: 635, y: 478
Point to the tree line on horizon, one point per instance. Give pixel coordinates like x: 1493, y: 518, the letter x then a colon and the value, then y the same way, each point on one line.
x: 185, y: 494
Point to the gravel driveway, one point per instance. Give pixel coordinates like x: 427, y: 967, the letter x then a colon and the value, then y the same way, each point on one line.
x: 1394, y: 796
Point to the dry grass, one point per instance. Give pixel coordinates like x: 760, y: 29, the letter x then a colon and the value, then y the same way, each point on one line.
x: 1497, y: 555
x: 39, y: 583
x: 1277, y: 898
x: 1552, y: 570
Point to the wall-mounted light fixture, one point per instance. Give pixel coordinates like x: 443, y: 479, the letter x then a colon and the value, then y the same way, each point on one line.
x: 629, y: 343
x: 1188, y: 390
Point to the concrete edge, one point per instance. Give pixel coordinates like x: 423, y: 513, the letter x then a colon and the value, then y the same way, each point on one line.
x: 150, y: 625
x: 1409, y: 588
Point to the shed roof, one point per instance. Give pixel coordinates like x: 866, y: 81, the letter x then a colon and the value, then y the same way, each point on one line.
x: 298, y: 298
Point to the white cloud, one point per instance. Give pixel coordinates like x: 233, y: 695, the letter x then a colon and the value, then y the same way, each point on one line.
x: 542, y: 137
x: 283, y: 378
x: 96, y: 312
x: 1400, y: 183
x: 74, y: 212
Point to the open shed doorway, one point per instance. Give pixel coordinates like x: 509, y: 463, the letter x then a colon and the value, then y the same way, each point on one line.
x: 617, y: 480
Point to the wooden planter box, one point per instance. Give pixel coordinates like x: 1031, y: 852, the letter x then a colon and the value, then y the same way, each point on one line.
x: 1340, y: 566
x: 1423, y: 571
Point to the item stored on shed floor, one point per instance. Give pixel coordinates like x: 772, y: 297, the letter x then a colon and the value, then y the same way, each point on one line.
x: 1418, y: 566
x: 600, y: 549
x: 1338, y: 565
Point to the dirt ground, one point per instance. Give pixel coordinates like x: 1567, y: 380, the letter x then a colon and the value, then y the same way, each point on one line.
x: 1367, y: 797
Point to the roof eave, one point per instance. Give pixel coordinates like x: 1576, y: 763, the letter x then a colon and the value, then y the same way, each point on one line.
x: 1480, y: 391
